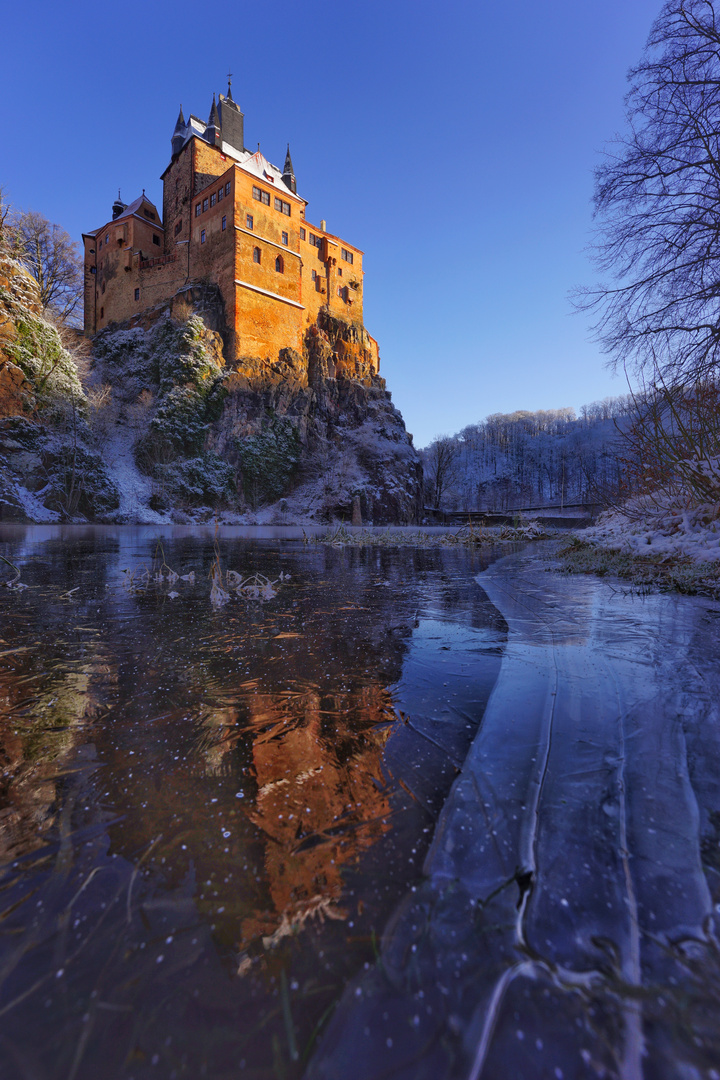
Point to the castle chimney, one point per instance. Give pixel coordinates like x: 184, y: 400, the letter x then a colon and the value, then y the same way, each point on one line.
x: 323, y: 225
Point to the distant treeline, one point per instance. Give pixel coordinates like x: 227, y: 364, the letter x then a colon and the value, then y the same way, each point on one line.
x: 525, y: 458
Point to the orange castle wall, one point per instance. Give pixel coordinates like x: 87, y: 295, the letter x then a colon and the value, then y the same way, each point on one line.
x: 268, y: 305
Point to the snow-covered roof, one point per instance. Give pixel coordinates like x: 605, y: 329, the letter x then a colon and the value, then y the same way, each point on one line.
x: 258, y: 165
x: 133, y: 210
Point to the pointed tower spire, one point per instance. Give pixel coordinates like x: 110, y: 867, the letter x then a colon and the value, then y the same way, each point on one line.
x: 214, y: 119
x: 288, y: 175
x: 229, y: 93
x: 178, y: 135
x: 212, y: 131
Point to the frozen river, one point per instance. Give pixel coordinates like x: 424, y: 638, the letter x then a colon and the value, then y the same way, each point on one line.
x: 388, y: 812
x: 567, y: 926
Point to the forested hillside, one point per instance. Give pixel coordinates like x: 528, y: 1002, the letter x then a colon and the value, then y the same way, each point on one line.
x: 525, y: 458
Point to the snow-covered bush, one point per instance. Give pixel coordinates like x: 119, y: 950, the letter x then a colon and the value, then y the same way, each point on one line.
x: 205, y: 480
x: 38, y: 351
x: 268, y: 461
x: 78, y: 483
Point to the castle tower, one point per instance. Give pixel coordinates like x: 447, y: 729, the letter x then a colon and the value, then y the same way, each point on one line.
x: 232, y: 121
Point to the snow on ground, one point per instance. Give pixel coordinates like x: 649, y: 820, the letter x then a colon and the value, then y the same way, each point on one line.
x: 653, y: 526
x: 135, y: 489
x: 32, y: 506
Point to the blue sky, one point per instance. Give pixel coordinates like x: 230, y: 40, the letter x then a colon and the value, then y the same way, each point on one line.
x: 454, y: 142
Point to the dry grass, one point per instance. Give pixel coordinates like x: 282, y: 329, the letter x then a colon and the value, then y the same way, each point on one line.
x: 656, y: 572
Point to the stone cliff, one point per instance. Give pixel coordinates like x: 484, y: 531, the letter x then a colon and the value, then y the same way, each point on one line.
x: 160, y: 428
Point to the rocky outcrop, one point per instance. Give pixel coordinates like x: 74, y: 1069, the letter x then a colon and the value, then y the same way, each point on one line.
x: 164, y: 430
x: 48, y: 469
x: 301, y: 437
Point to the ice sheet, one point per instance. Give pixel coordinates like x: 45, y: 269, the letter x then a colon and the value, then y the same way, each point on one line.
x: 567, y: 924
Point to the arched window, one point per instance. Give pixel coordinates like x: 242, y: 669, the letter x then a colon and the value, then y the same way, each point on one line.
x: 280, y: 265
x: 256, y: 255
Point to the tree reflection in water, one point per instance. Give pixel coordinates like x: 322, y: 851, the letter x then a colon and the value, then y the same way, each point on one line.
x: 208, y: 816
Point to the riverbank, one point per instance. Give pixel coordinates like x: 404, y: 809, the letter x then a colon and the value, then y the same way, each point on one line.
x: 654, y: 546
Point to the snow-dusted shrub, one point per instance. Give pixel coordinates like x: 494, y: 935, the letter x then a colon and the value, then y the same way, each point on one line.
x: 269, y: 461
x: 39, y: 353
x: 198, y: 481
x: 123, y: 347
x: 78, y: 483
x: 179, y: 356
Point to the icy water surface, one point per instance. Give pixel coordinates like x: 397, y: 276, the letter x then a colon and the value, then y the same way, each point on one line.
x: 209, y: 813
x: 567, y: 926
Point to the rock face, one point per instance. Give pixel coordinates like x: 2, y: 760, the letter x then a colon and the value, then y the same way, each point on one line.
x: 305, y: 436
x: 48, y: 466
x: 163, y: 430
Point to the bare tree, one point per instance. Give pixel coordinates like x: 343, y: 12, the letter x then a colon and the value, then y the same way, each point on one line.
x: 657, y: 200
x: 439, y: 461
x: 51, y: 256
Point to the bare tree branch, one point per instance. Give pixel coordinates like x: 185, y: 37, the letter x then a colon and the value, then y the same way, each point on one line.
x: 51, y: 256
x: 657, y: 203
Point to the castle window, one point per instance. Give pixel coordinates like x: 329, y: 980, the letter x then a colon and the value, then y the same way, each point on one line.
x: 205, y: 205
x: 249, y: 220
x: 282, y: 206
x: 340, y: 290
x: 227, y: 188
x: 261, y: 196
x: 280, y: 265
x: 149, y: 213
x: 102, y: 312
x: 198, y: 210
x: 107, y: 238
x: 346, y: 255
x: 302, y: 234
x: 220, y: 194
x: 213, y: 199
x: 285, y: 239
x: 178, y: 227
x: 202, y: 236
x: 256, y: 255
x: 339, y: 271
x: 316, y: 241
x: 137, y: 294
x: 314, y: 275
x: 224, y: 223
x: 156, y: 239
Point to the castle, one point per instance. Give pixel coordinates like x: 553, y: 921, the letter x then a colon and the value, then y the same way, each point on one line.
x: 230, y: 219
